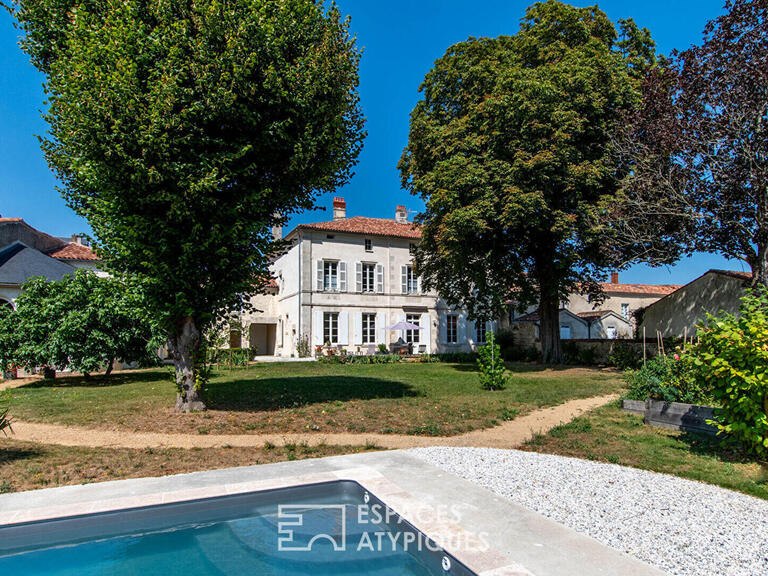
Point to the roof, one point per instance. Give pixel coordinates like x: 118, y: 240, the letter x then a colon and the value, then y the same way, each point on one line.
x: 534, y: 316
x: 19, y: 262
x: 366, y: 226
x: 649, y: 289
x: 10, y: 219
x: 73, y: 251
x: 731, y: 274
x: 594, y: 314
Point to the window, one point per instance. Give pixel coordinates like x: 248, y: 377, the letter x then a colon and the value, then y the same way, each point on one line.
x: 368, y: 245
x: 412, y: 336
x: 369, y: 328
x: 330, y: 276
x: 331, y: 327
x: 625, y: 311
x: 565, y: 332
x: 480, y: 329
x: 452, y: 328
x: 369, y: 277
x: 410, y: 282
x: 610, y: 332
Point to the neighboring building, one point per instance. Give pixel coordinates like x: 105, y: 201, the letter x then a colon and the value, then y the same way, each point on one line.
x: 26, y: 252
x: 599, y: 324
x: 345, y: 281
x: 677, y: 314
x: 622, y: 299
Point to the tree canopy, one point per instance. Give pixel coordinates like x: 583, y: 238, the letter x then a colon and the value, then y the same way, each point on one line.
x: 510, y: 148
x: 183, y: 131
x: 697, y: 149
x: 83, y: 322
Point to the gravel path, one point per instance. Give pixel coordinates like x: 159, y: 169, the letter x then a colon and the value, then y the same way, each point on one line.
x: 680, y: 526
x: 507, y: 435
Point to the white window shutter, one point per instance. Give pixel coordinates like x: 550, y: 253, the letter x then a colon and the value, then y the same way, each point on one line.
x: 381, y: 328
x: 319, y: 284
x: 443, y: 327
x: 358, y: 276
x: 401, y: 318
x: 342, y: 276
x: 426, y: 334
x: 472, y: 331
x: 358, y: 333
x: 379, y: 278
x: 404, y: 279
x: 318, y: 328
x: 461, y: 328
x: 418, y: 285
x: 343, y: 328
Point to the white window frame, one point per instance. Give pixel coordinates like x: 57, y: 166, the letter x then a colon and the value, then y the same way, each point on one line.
x: 452, y: 328
x: 368, y: 245
x: 412, y: 336
x: 330, y: 276
x: 368, y: 328
x: 625, y: 310
x: 410, y: 280
x: 481, y: 332
x: 331, y: 325
x: 368, y: 278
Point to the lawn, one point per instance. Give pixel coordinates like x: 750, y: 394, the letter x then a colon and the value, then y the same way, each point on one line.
x: 424, y: 399
x: 27, y: 466
x: 610, y: 435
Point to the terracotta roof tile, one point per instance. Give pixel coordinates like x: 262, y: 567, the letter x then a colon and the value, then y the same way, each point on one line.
x: 73, y: 251
x: 650, y: 289
x: 734, y: 274
x: 368, y: 226
x: 10, y: 219
x: 593, y: 314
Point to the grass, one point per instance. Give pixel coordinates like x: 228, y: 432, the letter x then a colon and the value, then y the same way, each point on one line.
x: 609, y: 435
x: 27, y: 466
x: 424, y: 399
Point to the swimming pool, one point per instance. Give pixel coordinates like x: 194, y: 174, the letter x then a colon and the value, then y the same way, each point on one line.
x: 319, y: 529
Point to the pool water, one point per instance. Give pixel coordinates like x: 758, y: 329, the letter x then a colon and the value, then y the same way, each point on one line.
x: 313, y: 530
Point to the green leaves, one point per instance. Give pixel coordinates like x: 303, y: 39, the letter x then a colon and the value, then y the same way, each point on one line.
x: 184, y: 131
x: 493, y: 373
x: 731, y: 357
x: 510, y: 148
x: 82, y: 322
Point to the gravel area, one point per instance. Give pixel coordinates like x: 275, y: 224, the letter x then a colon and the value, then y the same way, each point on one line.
x: 680, y: 526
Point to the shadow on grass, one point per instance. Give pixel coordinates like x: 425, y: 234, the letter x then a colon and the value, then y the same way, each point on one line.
x: 722, y: 448
x: 259, y: 394
x: 8, y: 455
x: 114, y: 379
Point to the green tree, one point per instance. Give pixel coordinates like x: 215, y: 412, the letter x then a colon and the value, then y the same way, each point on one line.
x: 730, y: 358
x: 510, y: 148
x: 183, y: 131
x: 493, y: 373
x: 83, y: 322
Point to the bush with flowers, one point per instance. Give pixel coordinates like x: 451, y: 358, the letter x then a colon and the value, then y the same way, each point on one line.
x: 669, y: 378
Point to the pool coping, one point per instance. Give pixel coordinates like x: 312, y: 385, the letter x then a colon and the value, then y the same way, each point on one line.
x: 414, y: 489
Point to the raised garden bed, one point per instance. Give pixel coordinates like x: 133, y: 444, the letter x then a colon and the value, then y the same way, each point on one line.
x: 674, y: 415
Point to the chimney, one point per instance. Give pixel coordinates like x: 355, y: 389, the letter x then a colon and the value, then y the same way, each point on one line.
x: 277, y: 228
x: 401, y: 215
x: 614, y: 277
x: 339, y: 208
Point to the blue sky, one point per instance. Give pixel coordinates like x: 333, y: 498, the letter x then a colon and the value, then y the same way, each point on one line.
x: 401, y: 40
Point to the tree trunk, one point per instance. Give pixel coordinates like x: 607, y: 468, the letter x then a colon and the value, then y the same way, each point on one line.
x: 109, y: 367
x: 549, y: 328
x: 760, y: 272
x: 183, y: 348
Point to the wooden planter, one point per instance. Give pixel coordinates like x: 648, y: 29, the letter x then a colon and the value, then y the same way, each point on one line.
x: 674, y: 415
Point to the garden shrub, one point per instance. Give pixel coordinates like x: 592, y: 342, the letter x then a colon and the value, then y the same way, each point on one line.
x: 457, y: 357
x: 493, y: 374
x: 667, y: 378
x: 731, y: 358
x: 625, y: 356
